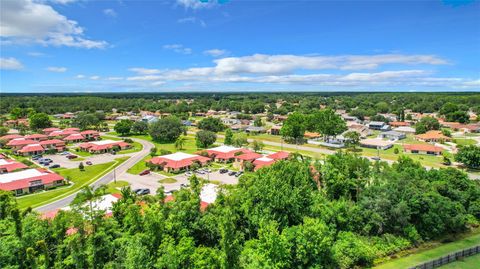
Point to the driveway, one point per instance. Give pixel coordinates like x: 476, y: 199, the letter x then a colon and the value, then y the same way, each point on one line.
x: 95, y: 159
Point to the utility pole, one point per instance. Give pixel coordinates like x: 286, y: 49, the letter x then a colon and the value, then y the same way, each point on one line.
x: 114, y: 176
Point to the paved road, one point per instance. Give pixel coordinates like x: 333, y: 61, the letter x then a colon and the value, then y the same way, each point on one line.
x: 117, y: 172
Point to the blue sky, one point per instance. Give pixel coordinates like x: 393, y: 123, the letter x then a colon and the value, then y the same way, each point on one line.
x: 188, y: 45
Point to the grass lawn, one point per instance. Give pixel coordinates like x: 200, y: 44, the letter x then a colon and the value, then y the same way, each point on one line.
x: 434, y: 251
x: 167, y: 180
x: 424, y: 159
x: 464, y: 142
x: 115, y: 187
x: 80, y: 179
x: 80, y: 153
x: 471, y: 262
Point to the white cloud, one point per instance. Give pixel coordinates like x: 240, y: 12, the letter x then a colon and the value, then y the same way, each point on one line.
x: 56, y: 69
x: 216, y: 52
x: 10, y: 64
x: 192, y: 20
x: 196, y: 4
x: 114, y: 78
x: 178, y: 48
x: 26, y: 21
x: 110, y: 12
x: 80, y: 76
x: 144, y: 71
x: 36, y: 54
x: 63, y: 2
x: 95, y: 77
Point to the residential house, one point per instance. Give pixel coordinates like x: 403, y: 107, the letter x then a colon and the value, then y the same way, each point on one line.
x: 275, y: 130
x: 53, y: 145
x: 405, y: 129
x: 90, y: 134
x: 378, y: 125
x: 423, y: 149
x: 30, y: 180
x: 392, y: 135
x: 376, y: 143
x: 31, y: 149
x: 399, y: 123
x: 225, y: 153
x: 103, y: 146
x: 74, y: 138
x: 37, y: 137
x: 433, y: 136
x: 7, y: 166
x: 241, y: 159
x: 255, y: 129
x: 47, y: 131
x: 19, y: 143
x: 7, y: 138
x: 178, y: 161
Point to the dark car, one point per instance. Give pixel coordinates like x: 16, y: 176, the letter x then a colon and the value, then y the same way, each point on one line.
x: 223, y: 171
x: 36, y: 157
x: 55, y: 166
x: 88, y: 162
x: 71, y: 156
x: 237, y: 174
x: 231, y: 173
x: 144, y: 172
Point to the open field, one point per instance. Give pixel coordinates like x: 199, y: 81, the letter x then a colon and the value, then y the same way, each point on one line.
x: 472, y: 262
x: 79, y: 179
x: 432, y: 251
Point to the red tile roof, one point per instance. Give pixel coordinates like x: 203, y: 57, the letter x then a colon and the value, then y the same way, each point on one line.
x: 73, y: 137
x: 178, y: 164
x: 31, y: 148
x: 226, y: 155
x: 89, y: 132
x: 46, y: 178
x: 34, y: 136
x: 423, y: 147
x: 399, y: 123
x: 95, y: 147
x: 21, y: 142
x: 432, y: 135
x: 49, y: 130
x: 12, y: 165
x: 281, y: 155
x: 10, y: 137
x: 259, y: 163
x: 52, y: 142
x: 250, y: 156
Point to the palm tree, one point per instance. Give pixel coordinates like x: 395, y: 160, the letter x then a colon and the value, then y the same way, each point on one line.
x: 180, y: 142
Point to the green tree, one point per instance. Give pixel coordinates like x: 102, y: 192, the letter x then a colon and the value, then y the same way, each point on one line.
x: 123, y: 127
x: 211, y: 124
x: 180, y: 142
x: 469, y: 156
x: 85, y: 120
x: 352, y: 139
x: 426, y: 124
x: 258, y: 122
x: 166, y: 130
x: 228, y: 137
x: 153, y: 151
x: 240, y: 140
x: 257, y: 146
x: 205, y: 139
x: 139, y: 127
x: 294, y: 127
x: 81, y: 167
x: 327, y: 123
x: 39, y: 121
x: 3, y: 131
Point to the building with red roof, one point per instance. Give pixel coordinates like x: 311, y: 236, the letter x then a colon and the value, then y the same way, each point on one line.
x: 62, y: 133
x: 262, y: 162
x: 399, y: 123
x: 90, y: 134
x: 30, y: 180
x: 7, y: 166
x: 225, y: 153
x: 103, y: 146
x: 19, y: 143
x: 53, y: 144
x: 7, y: 138
x: 178, y: 161
x: 423, y: 149
x: 37, y: 137
x: 281, y: 155
x: 74, y: 138
x: 31, y: 149
x: 433, y: 136
x: 47, y: 131
x: 242, y: 159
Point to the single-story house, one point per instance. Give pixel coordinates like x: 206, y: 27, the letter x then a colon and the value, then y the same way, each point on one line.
x: 376, y: 143
x: 240, y: 160
x: 37, y: 137
x: 423, y: 149
x: 378, y: 125
x: 62, y: 133
x: 311, y: 135
x: 392, y: 135
x: 270, y: 159
x: 255, y: 129
x: 103, y: 146
x: 225, y: 153
x: 7, y: 166
x: 31, y: 149
x: 47, y: 131
x: 178, y: 161
x: 362, y: 130
x: 399, y: 123
x: 275, y: 130
x: 433, y: 136
x: 30, y: 180
x: 149, y: 119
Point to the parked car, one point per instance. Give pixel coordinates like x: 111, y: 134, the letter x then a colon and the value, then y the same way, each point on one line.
x: 231, y: 173
x: 55, y: 166
x: 207, y: 170
x: 144, y: 172
x: 36, y: 157
x: 88, y: 162
x: 71, y: 156
x: 143, y: 191
x: 237, y: 174
x: 200, y: 172
x: 188, y: 173
x: 184, y: 185
x: 65, y: 153
x: 223, y: 171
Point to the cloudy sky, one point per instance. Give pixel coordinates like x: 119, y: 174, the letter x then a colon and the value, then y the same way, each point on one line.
x: 249, y: 45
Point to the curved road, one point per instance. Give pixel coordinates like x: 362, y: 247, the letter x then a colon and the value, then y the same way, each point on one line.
x: 119, y: 171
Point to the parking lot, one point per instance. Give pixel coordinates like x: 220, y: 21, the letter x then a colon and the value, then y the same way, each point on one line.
x: 64, y: 162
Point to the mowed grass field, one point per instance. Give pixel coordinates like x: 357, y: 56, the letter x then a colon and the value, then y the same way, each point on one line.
x: 432, y: 253
x: 79, y: 179
x: 472, y: 262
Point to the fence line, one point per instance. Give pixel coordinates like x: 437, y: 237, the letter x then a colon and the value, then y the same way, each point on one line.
x: 448, y: 258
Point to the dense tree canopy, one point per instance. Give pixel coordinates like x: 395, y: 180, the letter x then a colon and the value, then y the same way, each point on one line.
x: 211, y: 124
x: 39, y: 121
x: 167, y: 129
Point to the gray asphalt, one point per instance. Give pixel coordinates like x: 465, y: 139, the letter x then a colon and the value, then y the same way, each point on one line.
x: 117, y: 172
